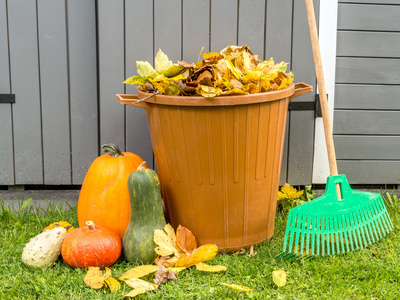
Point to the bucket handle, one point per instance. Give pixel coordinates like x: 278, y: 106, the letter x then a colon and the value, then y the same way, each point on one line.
x: 301, y: 88
x: 134, y: 100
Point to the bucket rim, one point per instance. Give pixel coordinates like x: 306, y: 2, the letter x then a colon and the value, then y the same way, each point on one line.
x: 220, y: 100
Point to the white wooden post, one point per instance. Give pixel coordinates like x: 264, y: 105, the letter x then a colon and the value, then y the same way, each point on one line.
x: 327, y: 39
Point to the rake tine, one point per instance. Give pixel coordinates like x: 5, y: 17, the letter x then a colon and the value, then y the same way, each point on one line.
x: 366, y: 226
x: 341, y: 233
x: 357, y: 231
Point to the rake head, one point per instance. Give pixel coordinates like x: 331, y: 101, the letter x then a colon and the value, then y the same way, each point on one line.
x: 328, y: 226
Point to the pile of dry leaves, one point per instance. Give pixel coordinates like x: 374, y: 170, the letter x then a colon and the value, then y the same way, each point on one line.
x: 233, y: 71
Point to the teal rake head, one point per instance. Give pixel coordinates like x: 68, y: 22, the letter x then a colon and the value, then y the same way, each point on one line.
x: 328, y: 226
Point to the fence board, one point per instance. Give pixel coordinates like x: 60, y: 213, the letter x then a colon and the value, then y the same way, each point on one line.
x: 83, y: 86
x: 25, y: 84
x: 366, y: 122
x: 252, y: 25
x: 139, y: 46
x: 370, y: 172
x: 196, y: 28
x: 54, y: 91
x: 367, y: 70
x: 111, y: 71
x: 369, y: 17
x: 301, y: 132
x: 6, y: 138
x: 223, y: 30
x: 372, y: 44
x: 367, y: 147
x: 352, y: 96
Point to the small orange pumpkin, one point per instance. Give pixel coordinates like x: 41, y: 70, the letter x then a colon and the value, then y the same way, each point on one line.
x: 104, y: 196
x: 91, y: 246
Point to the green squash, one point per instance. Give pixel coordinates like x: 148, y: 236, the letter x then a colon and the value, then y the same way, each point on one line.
x: 147, y: 215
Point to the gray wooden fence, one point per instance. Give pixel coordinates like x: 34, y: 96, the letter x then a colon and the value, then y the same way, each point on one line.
x: 66, y: 59
x: 367, y: 104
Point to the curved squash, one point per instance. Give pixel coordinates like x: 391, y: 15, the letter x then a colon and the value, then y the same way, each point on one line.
x: 147, y: 215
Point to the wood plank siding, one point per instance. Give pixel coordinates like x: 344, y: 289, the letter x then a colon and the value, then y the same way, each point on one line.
x: 367, y: 102
x: 66, y: 59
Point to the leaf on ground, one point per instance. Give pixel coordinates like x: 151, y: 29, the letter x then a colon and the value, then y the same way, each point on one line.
x: 279, y: 277
x: 138, y: 272
x: 240, y: 251
x: 137, y: 291
x: 112, y: 284
x: 185, y: 239
x: 177, y: 269
x: 237, y: 287
x: 163, y: 275
x: 95, y: 277
x: 207, y: 268
x: 201, y: 254
x: 166, y: 241
x: 137, y: 283
x: 252, y: 252
x: 161, y: 260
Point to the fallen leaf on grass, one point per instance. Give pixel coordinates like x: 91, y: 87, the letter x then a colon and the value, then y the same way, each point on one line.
x: 252, y: 253
x: 138, y: 272
x: 201, y: 254
x: 160, y: 261
x: 241, y: 251
x: 95, y: 277
x: 279, y: 277
x: 166, y: 241
x: 112, y: 284
x: 207, y: 268
x: 139, y: 287
x: 163, y: 275
x: 185, y: 239
x: 237, y: 287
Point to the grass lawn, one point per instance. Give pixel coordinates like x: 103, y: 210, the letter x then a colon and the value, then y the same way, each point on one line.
x: 372, y: 273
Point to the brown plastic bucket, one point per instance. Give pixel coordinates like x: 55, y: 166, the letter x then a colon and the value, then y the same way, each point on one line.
x: 219, y: 161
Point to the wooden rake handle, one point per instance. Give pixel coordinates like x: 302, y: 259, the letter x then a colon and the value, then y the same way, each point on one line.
x: 321, y: 87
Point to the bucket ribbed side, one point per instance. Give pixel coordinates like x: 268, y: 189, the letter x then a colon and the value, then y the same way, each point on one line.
x: 219, y: 168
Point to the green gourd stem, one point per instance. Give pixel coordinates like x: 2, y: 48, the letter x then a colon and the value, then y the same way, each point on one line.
x: 113, y: 149
x: 90, y: 224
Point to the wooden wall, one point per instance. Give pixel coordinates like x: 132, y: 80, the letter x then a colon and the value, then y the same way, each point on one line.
x: 66, y: 59
x: 367, y: 102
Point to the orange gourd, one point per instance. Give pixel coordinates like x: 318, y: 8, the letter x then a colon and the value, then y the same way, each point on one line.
x: 104, y: 196
x: 91, y: 246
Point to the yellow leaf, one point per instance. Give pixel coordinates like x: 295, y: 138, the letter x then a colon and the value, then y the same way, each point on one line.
x: 166, y: 242
x: 207, y: 268
x: 185, y: 239
x: 279, y: 277
x: 289, y: 192
x: 176, y: 269
x: 137, y: 283
x: 144, y: 68
x: 139, y: 272
x: 161, y: 61
x: 237, y: 287
x: 113, y: 284
x: 136, y: 292
x: 95, y: 277
x: 201, y: 254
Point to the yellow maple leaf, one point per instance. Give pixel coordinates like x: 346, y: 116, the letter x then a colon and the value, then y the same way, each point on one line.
x: 279, y: 277
x: 113, y: 284
x: 138, y: 272
x: 289, y: 192
x: 201, y: 254
x: 237, y: 287
x: 207, y: 268
x: 166, y: 241
x: 95, y: 277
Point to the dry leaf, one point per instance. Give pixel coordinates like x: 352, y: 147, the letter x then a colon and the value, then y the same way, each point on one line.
x: 185, y: 239
x: 177, y: 269
x: 136, y: 292
x: 113, y: 284
x: 166, y: 241
x: 201, y: 254
x: 160, y: 261
x: 237, y: 287
x: 137, y: 283
x: 138, y: 272
x: 95, y: 277
x: 171, y: 262
x: 252, y: 253
x: 207, y: 268
x: 163, y: 275
x: 279, y: 277
x: 241, y: 251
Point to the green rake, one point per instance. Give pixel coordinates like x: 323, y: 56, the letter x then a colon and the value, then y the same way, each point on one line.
x: 341, y: 220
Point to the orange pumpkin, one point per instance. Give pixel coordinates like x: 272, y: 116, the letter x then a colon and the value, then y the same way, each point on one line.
x: 91, y: 246
x: 104, y: 196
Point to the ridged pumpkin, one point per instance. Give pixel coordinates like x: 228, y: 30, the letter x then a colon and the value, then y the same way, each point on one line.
x: 91, y: 246
x: 104, y: 196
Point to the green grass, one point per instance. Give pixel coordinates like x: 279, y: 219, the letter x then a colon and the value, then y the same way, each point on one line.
x: 372, y: 273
